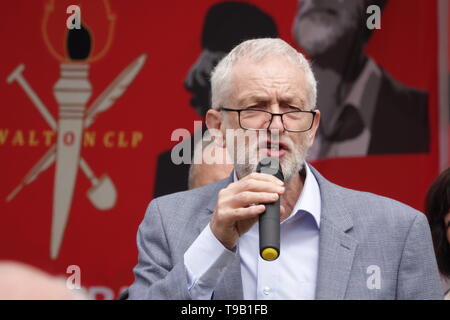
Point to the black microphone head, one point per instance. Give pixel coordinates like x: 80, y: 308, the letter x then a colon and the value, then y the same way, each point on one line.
x: 271, y: 166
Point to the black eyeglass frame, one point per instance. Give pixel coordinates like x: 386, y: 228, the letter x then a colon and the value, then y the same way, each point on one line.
x: 271, y: 118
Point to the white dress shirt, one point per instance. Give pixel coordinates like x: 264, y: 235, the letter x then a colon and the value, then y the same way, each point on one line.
x: 292, y: 276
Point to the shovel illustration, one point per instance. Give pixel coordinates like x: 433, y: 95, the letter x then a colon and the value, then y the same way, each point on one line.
x: 102, y: 193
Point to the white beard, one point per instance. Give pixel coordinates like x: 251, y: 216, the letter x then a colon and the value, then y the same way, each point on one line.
x: 291, y: 162
x: 317, y: 33
x: 315, y: 37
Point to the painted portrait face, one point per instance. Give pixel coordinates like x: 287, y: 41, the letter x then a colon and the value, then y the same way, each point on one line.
x: 321, y: 24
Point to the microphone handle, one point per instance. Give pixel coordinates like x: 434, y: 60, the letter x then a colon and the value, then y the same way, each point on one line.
x: 269, y: 220
x: 269, y: 231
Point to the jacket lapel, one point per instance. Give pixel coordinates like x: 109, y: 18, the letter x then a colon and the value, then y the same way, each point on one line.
x: 336, y: 253
x: 336, y: 247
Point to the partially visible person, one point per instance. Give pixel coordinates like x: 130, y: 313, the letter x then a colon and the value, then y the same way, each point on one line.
x: 214, y: 166
x: 19, y: 281
x: 226, y: 25
x: 437, y: 206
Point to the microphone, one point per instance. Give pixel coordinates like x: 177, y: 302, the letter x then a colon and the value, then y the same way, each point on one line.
x: 269, y: 220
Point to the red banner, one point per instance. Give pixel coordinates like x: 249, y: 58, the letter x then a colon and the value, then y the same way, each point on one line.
x: 85, y: 116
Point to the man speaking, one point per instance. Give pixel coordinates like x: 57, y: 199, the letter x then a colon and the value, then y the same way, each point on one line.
x: 335, y: 243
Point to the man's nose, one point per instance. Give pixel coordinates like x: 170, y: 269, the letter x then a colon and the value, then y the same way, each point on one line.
x: 277, y: 123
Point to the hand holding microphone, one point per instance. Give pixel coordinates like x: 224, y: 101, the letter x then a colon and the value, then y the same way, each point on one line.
x: 235, y: 212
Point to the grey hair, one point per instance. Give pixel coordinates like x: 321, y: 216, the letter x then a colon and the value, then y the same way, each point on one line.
x: 256, y: 50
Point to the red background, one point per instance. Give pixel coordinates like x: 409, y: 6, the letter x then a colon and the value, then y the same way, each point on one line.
x: 103, y: 243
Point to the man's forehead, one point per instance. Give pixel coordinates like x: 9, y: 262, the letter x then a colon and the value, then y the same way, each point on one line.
x: 256, y: 81
x: 272, y: 62
x: 258, y: 96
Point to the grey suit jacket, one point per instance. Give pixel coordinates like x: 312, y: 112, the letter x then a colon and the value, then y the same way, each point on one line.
x: 370, y: 247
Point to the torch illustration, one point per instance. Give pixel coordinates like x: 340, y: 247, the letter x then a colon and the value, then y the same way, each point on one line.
x: 72, y: 92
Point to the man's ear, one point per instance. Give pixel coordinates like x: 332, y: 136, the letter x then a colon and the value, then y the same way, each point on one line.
x: 312, y: 132
x: 213, y: 121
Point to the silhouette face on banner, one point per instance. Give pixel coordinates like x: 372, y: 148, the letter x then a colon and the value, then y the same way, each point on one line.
x: 198, y: 80
x: 226, y: 25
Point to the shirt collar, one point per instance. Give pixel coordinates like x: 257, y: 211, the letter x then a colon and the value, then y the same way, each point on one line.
x: 309, y: 199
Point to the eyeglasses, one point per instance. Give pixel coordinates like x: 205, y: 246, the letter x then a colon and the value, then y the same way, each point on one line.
x: 293, y: 121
